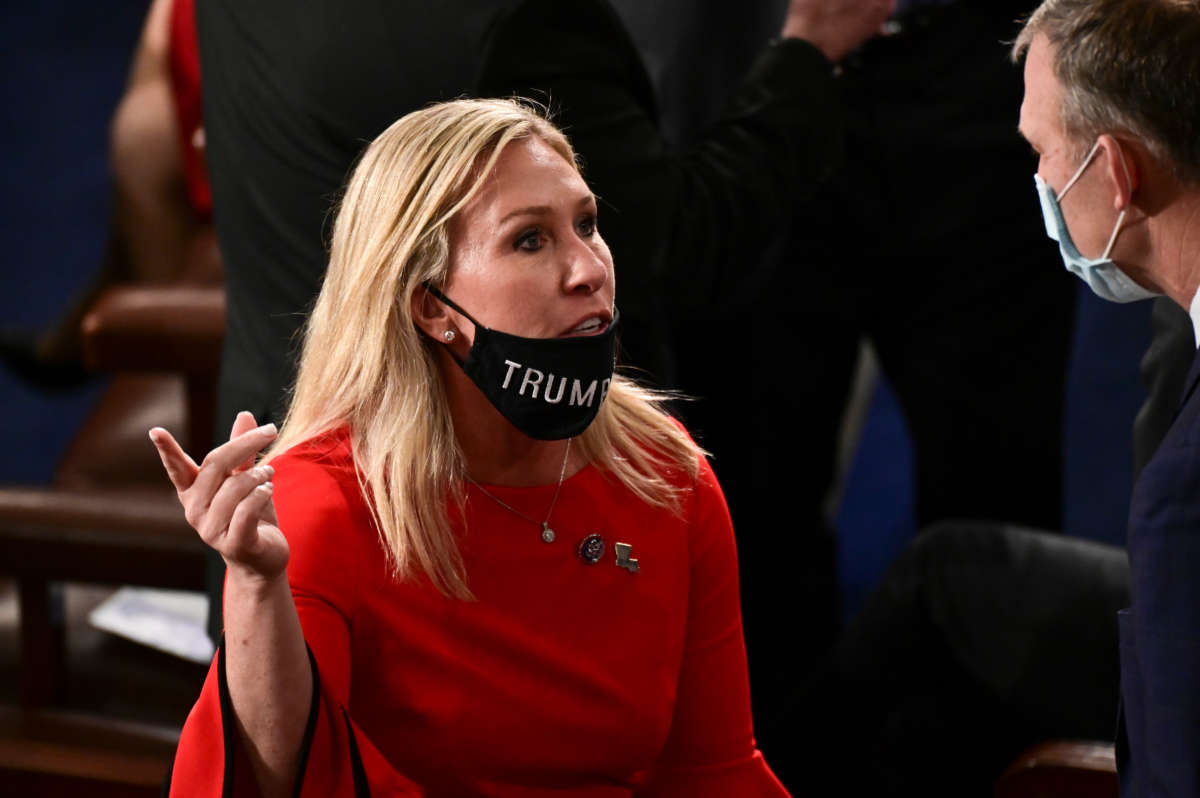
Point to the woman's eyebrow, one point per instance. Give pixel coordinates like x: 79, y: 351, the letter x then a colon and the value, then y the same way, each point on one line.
x: 543, y: 210
x: 532, y: 210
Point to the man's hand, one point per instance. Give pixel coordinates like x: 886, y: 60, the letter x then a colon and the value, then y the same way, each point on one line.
x: 836, y: 27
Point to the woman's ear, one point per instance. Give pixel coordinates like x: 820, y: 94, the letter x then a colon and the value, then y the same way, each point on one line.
x: 428, y: 314
x: 1120, y: 169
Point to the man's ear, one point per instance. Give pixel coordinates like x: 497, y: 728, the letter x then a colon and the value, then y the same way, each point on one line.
x: 1120, y: 169
x: 429, y: 314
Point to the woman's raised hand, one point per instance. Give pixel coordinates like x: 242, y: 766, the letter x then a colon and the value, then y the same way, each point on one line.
x: 227, y: 499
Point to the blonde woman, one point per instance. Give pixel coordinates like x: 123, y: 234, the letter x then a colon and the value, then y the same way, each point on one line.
x: 513, y: 573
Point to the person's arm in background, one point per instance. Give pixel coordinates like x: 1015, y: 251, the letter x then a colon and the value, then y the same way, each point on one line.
x: 685, y: 225
x: 156, y: 233
x: 161, y: 210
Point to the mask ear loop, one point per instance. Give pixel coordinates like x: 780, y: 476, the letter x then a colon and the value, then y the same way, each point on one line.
x: 1121, y: 217
x: 1113, y: 238
x: 1078, y: 172
x: 446, y: 300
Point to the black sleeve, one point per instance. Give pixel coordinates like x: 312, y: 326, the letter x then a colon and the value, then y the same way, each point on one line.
x: 684, y: 227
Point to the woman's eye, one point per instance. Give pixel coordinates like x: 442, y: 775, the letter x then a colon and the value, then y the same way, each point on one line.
x: 529, y: 241
x: 587, y: 225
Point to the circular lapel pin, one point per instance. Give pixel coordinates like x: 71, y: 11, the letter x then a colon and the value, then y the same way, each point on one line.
x: 591, y: 549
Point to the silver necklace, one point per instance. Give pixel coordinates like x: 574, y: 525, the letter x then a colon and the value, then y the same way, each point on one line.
x: 547, y: 532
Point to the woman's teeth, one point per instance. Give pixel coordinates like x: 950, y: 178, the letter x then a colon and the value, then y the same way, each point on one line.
x: 588, y: 326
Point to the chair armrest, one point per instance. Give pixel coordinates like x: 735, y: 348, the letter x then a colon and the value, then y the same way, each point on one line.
x: 156, y: 328
x: 1062, y: 769
x: 41, y: 750
x: 134, y: 536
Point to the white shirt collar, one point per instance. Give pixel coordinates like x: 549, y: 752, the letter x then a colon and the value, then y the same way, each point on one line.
x: 1194, y: 312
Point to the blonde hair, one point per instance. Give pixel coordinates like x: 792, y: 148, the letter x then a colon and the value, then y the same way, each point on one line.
x: 364, y: 363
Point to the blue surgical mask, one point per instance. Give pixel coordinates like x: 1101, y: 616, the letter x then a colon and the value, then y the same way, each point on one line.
x: 1103, y: 276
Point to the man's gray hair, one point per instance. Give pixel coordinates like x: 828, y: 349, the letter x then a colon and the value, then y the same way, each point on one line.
x: 1127, y: 66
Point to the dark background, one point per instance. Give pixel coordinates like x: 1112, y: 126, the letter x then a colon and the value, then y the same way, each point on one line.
x: 64, y: 64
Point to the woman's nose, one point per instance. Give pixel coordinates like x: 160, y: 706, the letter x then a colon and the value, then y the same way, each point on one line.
x: 587, y: 269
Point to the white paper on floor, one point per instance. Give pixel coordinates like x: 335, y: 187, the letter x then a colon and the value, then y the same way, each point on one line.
x: 169, y: 620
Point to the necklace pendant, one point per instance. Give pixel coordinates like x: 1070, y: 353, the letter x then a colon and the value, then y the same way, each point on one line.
x: 547, y: 533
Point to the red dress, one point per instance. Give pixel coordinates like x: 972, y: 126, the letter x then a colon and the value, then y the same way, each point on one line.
x: 564, y: 677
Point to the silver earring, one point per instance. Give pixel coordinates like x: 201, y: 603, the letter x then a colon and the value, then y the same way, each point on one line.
x: 449, y: 335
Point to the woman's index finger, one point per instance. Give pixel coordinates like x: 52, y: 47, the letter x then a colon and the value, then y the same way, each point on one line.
x: 181, y: 469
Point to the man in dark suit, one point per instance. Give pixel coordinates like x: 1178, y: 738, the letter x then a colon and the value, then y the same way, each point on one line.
x: 1112, y: 106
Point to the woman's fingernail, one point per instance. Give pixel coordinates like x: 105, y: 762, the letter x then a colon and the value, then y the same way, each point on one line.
x: 268, y: 429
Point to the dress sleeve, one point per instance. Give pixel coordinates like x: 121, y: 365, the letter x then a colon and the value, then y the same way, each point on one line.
x: 319, y: 515
x: 710, y: 750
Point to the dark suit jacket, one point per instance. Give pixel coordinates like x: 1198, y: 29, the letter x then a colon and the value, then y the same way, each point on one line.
x: 1164, y: 368
x: 1158, y: 742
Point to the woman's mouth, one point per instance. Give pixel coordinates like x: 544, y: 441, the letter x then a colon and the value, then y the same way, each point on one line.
x: 590, y: 326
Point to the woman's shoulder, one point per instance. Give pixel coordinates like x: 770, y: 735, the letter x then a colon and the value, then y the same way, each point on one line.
x: 697, y: 473
x: 318, y: 471
x: 681, y: 465
x: 328, y: 452
x: 318, y: 497
x: 321, y: 511
x: 698, y: 481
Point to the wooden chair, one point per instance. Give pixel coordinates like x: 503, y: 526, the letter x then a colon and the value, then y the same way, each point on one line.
x: 51, y: 754
x: 1061, y: 769
x: 110, y: 517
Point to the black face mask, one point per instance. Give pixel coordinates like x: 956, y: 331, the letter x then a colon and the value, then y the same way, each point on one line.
x: 548, y: 388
